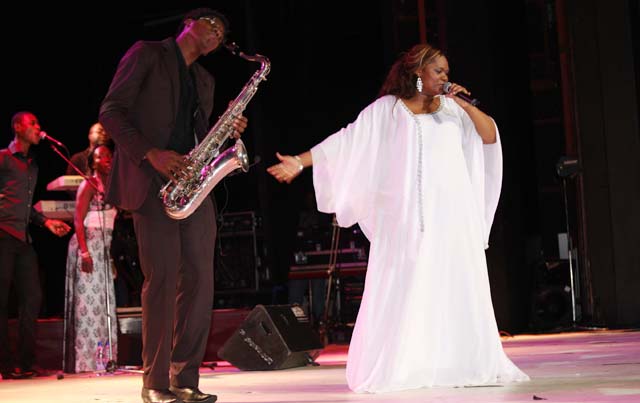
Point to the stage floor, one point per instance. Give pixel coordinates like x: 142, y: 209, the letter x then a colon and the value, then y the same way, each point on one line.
x: 594, y: 366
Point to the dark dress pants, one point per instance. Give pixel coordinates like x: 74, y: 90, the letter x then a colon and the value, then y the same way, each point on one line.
x: 18, y: 261
x: 176, y: 257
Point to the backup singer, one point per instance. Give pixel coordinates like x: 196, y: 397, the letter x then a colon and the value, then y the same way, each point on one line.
x: 160, y: 99
x: 18, y: 260
x: 90, y: 271
x: 421, y: 173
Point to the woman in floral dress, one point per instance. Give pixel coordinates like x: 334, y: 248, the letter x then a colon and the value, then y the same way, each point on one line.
x: 89, y: 279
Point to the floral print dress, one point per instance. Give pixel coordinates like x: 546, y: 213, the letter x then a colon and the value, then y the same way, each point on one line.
x: 85, y: 304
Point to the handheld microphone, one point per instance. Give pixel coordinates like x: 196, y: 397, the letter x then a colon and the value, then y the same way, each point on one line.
x: 45, y: 136
x: 446, y: 88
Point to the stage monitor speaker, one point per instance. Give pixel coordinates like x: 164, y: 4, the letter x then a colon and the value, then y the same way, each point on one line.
x: 129, y: 335
x: 272, y: 337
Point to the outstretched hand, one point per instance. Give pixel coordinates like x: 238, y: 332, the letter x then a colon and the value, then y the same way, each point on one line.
x: 57, y: 227
x: 287, y: 170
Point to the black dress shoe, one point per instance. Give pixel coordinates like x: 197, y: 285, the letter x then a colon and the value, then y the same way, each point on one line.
x: 20, y: 374
x: 29, y: 373
x: 192, y: 395
x: 6, y: 375
x: 158, y: 396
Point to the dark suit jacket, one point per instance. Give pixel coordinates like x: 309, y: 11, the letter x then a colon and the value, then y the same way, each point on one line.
x: 139, y: 113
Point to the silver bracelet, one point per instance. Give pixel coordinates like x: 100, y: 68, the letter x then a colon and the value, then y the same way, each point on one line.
x: 300, y: 167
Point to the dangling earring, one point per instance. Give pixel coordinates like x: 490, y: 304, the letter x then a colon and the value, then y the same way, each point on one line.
x: 419, y: 84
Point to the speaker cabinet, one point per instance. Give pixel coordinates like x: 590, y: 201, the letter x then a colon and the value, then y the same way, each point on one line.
x: 238, y: 257
x: 272, y: 337
x: 129, y: 336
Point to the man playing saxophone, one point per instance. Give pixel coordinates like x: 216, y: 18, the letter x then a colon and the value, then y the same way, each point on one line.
x: 158, y: 104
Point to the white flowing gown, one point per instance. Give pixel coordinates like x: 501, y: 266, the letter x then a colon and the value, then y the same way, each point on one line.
x: 424, y: 189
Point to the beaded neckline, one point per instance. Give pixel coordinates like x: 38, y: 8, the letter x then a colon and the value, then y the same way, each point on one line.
x: 438, y: 109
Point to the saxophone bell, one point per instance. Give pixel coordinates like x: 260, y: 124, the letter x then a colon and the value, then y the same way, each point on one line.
x: 181, y: 200
x: 235, y: 157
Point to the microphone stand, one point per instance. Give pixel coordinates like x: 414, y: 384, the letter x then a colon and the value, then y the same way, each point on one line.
x: 333, y: 297
x: 111, y: 363
x: 72, y: 165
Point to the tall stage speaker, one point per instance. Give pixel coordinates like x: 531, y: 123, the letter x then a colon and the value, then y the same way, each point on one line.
x: 272, y: 337
x: 238, y: 257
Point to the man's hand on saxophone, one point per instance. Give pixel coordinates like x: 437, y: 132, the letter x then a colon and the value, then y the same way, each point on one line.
x: 169, y: 163
x: 239, y: 124
x: 172, y: 165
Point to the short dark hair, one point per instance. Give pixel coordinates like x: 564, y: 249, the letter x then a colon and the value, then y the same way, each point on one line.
x: 18, y: 117
x: 204, y: 12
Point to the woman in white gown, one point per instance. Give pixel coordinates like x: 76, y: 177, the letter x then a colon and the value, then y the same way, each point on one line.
x: 421, y: 173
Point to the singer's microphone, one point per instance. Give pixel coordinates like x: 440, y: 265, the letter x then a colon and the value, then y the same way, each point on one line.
x: 446, y: 88
x: 45, y: 136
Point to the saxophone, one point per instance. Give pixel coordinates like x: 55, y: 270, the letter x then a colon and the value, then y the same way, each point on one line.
x: 206, y: 165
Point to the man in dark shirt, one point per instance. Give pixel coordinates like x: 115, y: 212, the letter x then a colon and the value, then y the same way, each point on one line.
x: 97, y: 137
x: 18, y: 174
